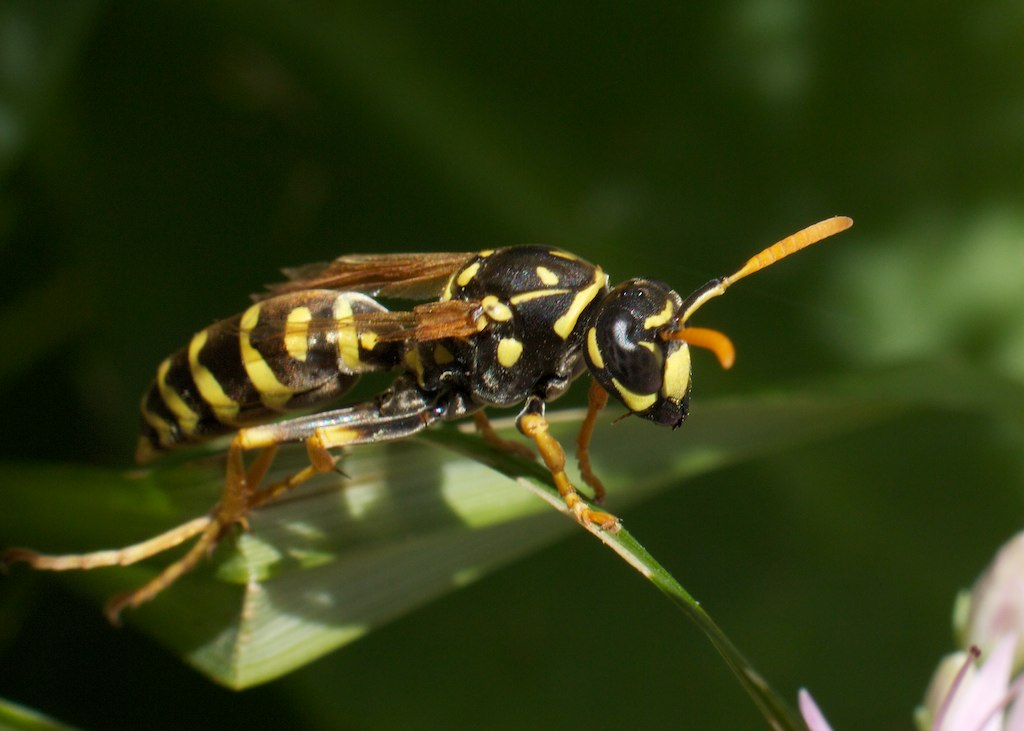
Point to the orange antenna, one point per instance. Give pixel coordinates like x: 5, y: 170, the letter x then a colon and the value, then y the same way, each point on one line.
x: 717, y: 342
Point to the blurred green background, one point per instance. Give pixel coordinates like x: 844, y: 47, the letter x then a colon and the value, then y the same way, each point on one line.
x: 159, y: 161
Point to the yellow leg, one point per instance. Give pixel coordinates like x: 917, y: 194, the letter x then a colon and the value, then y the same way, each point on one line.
x: 116, y: 557
x: 483, y: 425
x: 535, y: 426
x: 237, y: 500
x: 242, y: 492
x: 233, y: 508
x: 597, y: 398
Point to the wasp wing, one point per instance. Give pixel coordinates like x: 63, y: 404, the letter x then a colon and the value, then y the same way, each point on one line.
x: 424, y: 323
x: 404, y: 276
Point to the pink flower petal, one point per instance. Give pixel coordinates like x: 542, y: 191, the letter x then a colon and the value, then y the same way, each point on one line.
x: 973, y: 703
x: 813, y: 716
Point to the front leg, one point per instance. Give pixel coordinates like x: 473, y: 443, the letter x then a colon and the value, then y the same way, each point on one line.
x: 531, y: 423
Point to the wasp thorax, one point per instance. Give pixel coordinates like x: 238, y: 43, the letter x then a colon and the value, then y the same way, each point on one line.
x: 627, y: 356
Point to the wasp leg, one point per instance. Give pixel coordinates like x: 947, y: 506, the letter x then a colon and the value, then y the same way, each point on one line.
x: 234, y: 507
x: 597, y: 398
x: 486, y: 429
x: 531, y: 423
x: 351, y: 426
x: 125, y: 556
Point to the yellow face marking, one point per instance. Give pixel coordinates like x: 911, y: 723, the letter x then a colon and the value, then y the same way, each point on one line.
x: 348, y: 339
x: 676, y: 376
x: 368, y: 340
x: 565, y: 324
x: 547, y: 276
x: 661, y: 318
x: 496, y: 309
x: 593, y: 350
x: 336, y: 436
x: 467, y: 274
x: 224, y: 407
x: 536, y: 294
x: 509, y: 350
x: 296, y: 333
x: 186, y: 417
x: 273, y: 393
x: 442, y: 355
x: 635, y: 402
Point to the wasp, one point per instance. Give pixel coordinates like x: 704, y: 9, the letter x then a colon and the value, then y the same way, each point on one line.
x: 503, y: 327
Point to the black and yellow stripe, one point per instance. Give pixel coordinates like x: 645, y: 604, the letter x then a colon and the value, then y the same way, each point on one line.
x: 292, y: 351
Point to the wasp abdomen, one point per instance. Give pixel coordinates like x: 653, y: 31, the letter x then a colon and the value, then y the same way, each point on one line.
x: 292, y: 351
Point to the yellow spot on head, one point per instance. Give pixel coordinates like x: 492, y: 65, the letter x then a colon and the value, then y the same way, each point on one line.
x: 593, y: 350
x: 661, y: 318
x: 635, y: 402
x: 509, y: 350
x: 296, y: 333
x: 565, y: 324
x: 547, y: 276
x: 467, y: 274
x: 676, y: 375
x: 495, y: 309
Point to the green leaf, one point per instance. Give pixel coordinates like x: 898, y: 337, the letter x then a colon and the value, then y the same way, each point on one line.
x: 413, y: 520
x: 18, y: 718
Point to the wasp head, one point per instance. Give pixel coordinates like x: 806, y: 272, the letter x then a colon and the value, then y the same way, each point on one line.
x: 625, y: 352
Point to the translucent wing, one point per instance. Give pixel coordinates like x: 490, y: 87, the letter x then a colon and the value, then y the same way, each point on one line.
x: 405, y: 276
x: 426, y: 322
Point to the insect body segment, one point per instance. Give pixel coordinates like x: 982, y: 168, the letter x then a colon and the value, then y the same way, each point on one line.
x: 504, y: 327
x: 625, y: 354
x: 288, y: 352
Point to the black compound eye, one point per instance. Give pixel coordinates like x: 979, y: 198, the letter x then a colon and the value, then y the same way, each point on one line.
x: 636, y: 363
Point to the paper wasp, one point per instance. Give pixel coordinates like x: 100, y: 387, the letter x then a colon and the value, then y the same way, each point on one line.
x: 506, y: 326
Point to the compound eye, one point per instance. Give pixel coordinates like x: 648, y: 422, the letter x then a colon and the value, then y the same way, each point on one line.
x: 635, y: 362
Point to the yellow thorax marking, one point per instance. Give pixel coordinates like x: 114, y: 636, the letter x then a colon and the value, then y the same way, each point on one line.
x: 518, y: 299
x: 509, y: 350
x: 495, y: 309
x: 467, y: 274
x: 547, y: 276
x: 565, y: 324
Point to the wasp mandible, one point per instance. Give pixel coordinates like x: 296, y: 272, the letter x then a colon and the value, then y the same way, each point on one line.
x: 506, y: 326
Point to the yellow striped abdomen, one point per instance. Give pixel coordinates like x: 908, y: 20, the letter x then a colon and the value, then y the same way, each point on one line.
x: 292, y: 351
